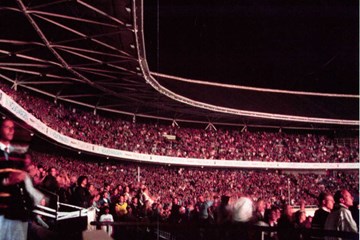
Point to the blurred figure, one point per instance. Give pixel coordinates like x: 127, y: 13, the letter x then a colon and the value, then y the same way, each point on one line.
x: 17, y: 193
x: 243, y: 210
x: 82, y: 198
x: 107, y: 217
x: 107, y: 188
x: 135, y: 207
x: 183, y: 217
x: 259, y: 214
x: 63, y: 193
x: 355, y: 211
x: 121, y: 208
x: 286, y: 224
x: 300, y: 219
x: 174, y: 212
x: 50, y: 183
x: 203, y: 206
x: 272, y: 217
x: 223, y: 212
x: 104, y: 199
x: 242, y: 214
x: 82, y: 195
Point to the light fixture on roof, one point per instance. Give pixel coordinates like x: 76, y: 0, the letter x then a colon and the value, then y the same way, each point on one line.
x: 15, y: 85
x: 174, y: 123
x: 211, y: 126
x: 132, y: 46
x: 128, y: 9
x: 244, y: 129
x: 137, y: 68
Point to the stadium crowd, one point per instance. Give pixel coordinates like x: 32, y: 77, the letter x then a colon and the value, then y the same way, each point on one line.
x: 223, y: 144
x: 167, y: 182
x: 150, y: 193
x: 124, y: 191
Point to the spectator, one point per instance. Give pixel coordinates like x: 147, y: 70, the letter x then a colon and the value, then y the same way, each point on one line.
x: 82, y: 195
x: 272, y: 217
x: 286, y: 224
x: 242, y: 215
x: 121, y: 208
x: 107, y: 217
x: 135, y: 207
x: 203, y: 207
x: 355, y: 211
x: 223, y: 214
x: 259, y: 214
x: 17, y: 192
x: 243, y: 210
x: 104, y: 199
x: 49, y: 183
x: 340, y: 218
x: 300, y: 219
x: 326, y: 202
x: 175, y: 211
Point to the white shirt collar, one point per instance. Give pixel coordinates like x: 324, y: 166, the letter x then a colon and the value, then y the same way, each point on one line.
x: 325, y: 209
x: 3, y: 146
x: 343, y: 205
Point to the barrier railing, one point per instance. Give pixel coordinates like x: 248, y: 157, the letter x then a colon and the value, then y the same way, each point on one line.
x: 216, y: 232
x: 166, y: 231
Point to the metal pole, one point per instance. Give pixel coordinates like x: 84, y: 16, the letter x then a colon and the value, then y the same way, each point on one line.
x: 138, y: 174
x: 289, y: 190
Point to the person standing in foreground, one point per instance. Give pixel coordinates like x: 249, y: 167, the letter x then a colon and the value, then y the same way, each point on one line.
x: 17, y: 194
x: 326, y: 202
x: 340, y: 218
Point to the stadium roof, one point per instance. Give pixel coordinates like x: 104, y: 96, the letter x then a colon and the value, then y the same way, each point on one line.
x: 258, y: 62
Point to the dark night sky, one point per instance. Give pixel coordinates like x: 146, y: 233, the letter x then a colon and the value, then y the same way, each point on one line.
x: 294, y: 45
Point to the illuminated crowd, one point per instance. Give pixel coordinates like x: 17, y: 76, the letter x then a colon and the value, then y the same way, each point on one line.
x: 222, y: 144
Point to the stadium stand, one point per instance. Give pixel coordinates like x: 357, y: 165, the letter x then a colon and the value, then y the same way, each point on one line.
x: 219, y: 144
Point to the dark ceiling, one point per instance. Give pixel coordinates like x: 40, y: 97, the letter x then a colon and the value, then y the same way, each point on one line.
x: 291, y: 45
x: 280, y: 63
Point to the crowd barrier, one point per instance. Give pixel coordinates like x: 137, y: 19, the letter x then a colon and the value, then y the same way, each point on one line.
x: 215, y: 232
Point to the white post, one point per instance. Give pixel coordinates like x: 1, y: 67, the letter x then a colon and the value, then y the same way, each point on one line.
x: 289, y: 190
x: 138, y: 174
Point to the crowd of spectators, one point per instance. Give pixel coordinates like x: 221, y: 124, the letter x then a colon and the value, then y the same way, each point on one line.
x: 167, y: 182
x: 222, y: 144
x: 124, y: 191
